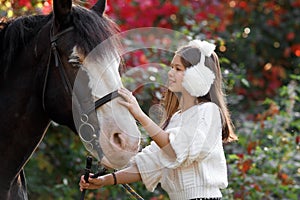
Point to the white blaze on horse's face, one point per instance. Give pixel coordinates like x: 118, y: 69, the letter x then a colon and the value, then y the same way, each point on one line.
x: 119, y: 134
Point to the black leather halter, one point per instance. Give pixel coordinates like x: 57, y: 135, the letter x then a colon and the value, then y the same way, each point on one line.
x: 84, y: 118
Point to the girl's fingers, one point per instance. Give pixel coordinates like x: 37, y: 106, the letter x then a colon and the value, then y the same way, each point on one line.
x: 123, y: 103
x: 82, y: 179
x: 84, y: 185
x: 95, y: 181
x: 126, y: 94
x: 129, y: 101
x: 124, y: 89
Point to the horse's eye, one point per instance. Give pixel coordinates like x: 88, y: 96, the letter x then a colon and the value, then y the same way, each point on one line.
x: 75, y: 61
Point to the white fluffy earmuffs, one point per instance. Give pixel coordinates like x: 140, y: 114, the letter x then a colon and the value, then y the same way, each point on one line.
x: 198, y: 79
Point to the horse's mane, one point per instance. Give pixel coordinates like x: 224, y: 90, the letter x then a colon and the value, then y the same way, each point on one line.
x: 16, y: 33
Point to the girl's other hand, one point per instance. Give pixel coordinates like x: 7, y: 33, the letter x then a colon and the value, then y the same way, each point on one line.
x: 130, y: 102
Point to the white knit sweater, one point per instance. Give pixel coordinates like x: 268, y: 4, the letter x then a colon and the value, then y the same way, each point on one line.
x: 200, y: 167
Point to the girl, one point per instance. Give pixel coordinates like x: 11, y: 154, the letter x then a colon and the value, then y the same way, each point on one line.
x: 186, y: 155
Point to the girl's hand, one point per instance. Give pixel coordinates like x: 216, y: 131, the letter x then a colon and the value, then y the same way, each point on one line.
x: 130, y: 102
x: 94, y: 183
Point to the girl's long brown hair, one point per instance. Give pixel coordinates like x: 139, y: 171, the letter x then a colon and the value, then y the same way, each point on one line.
x: 191, y: 56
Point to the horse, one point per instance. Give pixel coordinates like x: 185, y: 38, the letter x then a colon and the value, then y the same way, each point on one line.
x: 50, y: 71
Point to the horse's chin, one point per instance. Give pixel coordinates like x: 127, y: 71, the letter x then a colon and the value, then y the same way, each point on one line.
x: 114, y: 165
x: 105, y: 162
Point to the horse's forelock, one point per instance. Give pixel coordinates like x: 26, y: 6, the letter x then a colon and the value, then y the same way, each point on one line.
x: 94, y: 29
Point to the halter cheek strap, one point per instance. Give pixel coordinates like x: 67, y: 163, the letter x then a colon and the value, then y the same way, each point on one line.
x: 58, y: 62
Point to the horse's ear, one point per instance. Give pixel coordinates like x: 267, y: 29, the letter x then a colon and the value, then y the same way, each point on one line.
x: 62, y: 10
x: 99, y: 7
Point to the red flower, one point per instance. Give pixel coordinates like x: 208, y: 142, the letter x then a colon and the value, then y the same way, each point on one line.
x: 245, y: 166
x: 296, y: 3
x: 256, y: 186
x: 201, y: 16
x: 47, y: 8
x: 290, y: 36
x: 251, y: 146
x: 25, y: 3
x: 297, y: 140
x: 146, y: 5
x: 285, y: 179
x: 91, y: 2
x: 168, y: 9
x: 240, y: 155
x: 296, y: 49
x: 243, y: 4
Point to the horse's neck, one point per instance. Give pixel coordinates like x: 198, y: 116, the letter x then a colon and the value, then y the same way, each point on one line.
x: 22, y: 128
x: 20, y: 91
x: 20, y: 101
x: 23, y: 120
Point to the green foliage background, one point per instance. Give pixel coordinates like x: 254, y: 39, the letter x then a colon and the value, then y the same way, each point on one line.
x: 261, y: 67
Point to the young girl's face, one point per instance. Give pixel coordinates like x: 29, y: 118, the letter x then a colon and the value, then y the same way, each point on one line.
x: 176, y: 74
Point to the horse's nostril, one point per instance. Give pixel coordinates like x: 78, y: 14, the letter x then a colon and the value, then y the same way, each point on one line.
x: 117, y: 140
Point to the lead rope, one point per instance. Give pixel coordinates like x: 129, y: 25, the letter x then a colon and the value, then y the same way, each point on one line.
x: 127, y: 187
x: 132, y: 192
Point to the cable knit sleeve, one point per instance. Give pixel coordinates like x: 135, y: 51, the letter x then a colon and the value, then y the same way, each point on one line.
x: 195, y: 135
x: 149, y: 166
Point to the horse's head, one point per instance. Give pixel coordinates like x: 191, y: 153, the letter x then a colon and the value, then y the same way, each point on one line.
x: 80, y: 49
